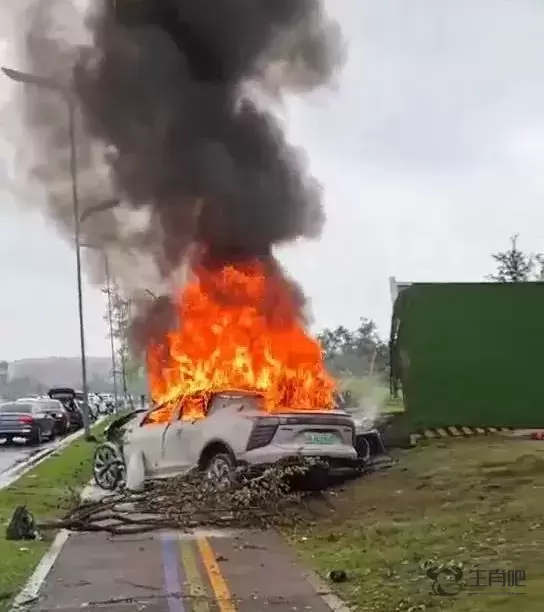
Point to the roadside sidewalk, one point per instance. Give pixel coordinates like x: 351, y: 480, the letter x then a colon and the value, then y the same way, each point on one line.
x: 179, y: 572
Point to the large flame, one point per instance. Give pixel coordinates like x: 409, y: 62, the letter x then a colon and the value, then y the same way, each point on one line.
x: 240, y: 330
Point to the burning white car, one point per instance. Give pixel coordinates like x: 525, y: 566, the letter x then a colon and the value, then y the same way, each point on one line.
x: 235, y: 431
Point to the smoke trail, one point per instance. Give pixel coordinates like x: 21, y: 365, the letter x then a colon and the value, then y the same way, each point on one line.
x: 169, y: 92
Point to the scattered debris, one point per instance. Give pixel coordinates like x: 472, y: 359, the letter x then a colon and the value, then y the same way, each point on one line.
x: 338, y: 576
x: 22, y: 525
x: 192, y: 501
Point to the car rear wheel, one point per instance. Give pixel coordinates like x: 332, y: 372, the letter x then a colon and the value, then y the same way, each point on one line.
x: 220, y: 470
x: 108, y: 467
x: 36, y: 438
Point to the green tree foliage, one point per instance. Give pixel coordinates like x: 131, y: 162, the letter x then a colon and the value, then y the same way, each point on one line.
x: 357, y: 352
x: 515, y: 266
x: 130, y: 368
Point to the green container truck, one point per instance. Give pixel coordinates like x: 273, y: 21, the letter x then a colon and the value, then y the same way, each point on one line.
x: 469, y: 354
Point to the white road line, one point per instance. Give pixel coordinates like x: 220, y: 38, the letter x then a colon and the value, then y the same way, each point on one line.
x: 331, y: 600
x: 31, y: 591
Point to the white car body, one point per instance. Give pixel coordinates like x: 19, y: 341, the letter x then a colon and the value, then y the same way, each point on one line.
x: 236, y: 426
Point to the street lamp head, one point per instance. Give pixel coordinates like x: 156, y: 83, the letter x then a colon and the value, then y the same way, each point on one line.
x: 103, y: 206
x: 40, y: 81
x: 14, y: 75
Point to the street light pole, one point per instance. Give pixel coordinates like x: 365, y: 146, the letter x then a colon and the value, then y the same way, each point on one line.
x: 77, y: 233
x: 110, y: 322
x: 110, y: 317
x: 48, y: 83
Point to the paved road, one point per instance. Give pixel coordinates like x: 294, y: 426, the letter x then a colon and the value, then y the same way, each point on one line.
x: 13, y: 454
x: 177, y: 572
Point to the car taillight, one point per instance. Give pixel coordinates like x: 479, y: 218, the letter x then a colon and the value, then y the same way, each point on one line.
x: 263, y: 432
x: 25, y: 420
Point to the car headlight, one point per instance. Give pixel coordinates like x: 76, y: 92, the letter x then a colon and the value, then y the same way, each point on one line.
x: 364, y: 425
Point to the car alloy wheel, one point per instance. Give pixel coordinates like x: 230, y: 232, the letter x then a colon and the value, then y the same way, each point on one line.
x: 362, y: 446
x: 108, y: 467
x: 220, y: 470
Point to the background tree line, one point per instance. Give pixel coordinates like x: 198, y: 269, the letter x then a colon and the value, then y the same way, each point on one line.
x: 517, y: 266
x: 355, y: 352
x: 129, y: 371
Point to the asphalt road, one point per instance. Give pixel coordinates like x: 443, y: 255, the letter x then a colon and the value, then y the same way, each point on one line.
x: 13, y: 454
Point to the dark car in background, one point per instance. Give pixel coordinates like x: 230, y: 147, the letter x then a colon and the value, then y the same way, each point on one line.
x: 59, y: 413
x: 67, y: 397
x: 81, y: 405
x: 26, y: 420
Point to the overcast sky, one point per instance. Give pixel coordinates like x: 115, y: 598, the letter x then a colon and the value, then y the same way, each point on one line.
x: 431, y: 155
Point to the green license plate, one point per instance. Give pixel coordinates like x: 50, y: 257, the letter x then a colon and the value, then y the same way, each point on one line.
x: 320, y: 438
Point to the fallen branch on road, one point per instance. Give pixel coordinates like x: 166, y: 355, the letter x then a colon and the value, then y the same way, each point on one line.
x: 192, y: 501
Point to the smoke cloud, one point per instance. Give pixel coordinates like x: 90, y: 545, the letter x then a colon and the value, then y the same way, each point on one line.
x: 173, y: 98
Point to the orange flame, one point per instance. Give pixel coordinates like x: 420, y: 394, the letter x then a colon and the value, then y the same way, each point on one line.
x: 240, y: 330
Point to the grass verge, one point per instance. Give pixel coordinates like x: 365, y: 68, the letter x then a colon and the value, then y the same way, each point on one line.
x: 47, y: 490
x: 472, y: 503
x: 373, y: 390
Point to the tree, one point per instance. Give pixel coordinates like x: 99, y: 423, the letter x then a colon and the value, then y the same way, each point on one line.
x: 515, y: 266
x: 358, y: 352
x: 131, y: 368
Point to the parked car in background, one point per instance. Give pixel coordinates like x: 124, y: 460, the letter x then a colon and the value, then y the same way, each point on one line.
x: 67, y: 396
x: 91, y: 411
x: 26, y: 419
x: 57, y: 411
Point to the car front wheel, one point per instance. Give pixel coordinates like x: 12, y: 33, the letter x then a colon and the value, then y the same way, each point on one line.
x: 362, y: 446
x: 220, y: 470
x: 108, y: 467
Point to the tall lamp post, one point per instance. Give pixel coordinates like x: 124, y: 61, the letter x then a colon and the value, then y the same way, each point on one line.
x: 110, y: 313
x: 52, y: 84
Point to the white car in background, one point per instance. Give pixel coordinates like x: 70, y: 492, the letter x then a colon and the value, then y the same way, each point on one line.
x: 235, y: 431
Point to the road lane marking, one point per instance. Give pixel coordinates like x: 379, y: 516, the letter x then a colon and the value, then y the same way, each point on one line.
x: 171, y: 567
x: 218, y: 582
x: 197, y: 590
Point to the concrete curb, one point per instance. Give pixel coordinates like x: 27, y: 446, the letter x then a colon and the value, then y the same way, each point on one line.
x: 330, y: 598
x: 13, y: 474
x: 30, y: 592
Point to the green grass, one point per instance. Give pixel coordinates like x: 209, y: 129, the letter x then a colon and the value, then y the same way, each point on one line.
x: 47, y: 490
x: 476, y: 502
x: 375, y: 390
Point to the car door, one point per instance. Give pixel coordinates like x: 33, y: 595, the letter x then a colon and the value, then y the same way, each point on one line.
x: 147, y: 435
x: 182, y: 438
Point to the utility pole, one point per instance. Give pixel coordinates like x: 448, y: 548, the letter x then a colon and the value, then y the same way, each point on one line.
x: 51, y: 84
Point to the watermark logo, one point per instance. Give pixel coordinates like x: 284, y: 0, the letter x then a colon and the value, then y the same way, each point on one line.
x: 449, y: 581
x: 446, y: 580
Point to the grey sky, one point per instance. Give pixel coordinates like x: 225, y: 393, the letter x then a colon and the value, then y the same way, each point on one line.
x: 430, y: 153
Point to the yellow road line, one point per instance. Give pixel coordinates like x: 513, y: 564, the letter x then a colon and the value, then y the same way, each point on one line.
x: 197, y: 590
x: 218, y: 582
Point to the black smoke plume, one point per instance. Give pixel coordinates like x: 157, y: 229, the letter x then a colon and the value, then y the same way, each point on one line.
x: 175, y: 92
